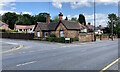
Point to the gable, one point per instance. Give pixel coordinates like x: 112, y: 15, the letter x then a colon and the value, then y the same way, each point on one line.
x: 60, y: 26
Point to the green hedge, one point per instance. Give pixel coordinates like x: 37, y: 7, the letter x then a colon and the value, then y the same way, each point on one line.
x: 53, y: 38
x: 9, y: 31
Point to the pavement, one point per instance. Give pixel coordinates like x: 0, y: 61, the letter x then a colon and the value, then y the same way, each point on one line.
x: 39, y: 55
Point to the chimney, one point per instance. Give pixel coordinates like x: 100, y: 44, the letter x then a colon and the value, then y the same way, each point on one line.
x: 60, y: 16
x: 48, y: 19
x: 100, y: 26
x: 89, y: 24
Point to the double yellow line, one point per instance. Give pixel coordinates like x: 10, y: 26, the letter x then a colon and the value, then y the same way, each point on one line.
x: 108, y: 66
x: 20, y: 46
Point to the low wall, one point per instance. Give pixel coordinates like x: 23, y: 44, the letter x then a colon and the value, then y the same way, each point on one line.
x: 107, y: 37
x: 18, y: 35
x: 86, y: 37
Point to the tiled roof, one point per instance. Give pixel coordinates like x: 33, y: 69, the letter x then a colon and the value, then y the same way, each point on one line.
x: 71, y: 24
x: 43, y: 26
x: 24, y: 26
x: 68, y: 24
x: 52, y: 25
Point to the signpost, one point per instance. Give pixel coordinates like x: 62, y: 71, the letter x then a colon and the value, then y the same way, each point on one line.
x: 67, y: 39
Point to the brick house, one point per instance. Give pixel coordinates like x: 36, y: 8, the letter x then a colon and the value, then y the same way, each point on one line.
x: 62, y: 28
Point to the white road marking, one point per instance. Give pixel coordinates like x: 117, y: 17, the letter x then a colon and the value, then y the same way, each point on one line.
x: 26, y: 63
x: 11, y: 43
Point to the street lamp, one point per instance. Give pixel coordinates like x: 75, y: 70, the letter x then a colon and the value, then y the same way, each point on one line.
x: 94, y: 22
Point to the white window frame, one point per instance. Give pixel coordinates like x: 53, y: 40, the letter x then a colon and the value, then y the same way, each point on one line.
x: 45, y: 34
x: 61, y: 33
x: 38, y: 33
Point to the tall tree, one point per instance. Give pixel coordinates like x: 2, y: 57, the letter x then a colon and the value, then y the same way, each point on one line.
x: 55, y: 19
x: 81, y: 19
x: 74, y: 19
x: 0, y: 17
x: 113, y: 20
x: 41, y: 17
x: 66, y: 18
x: 10, y: 19
x: 25, y: 19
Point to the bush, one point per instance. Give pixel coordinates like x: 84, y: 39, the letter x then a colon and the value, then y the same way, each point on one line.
x: 51, y: 39
x: 52, y: 35
x: 75, y: 39
x: 3, y: 30
x: 61, y: 40
x: 54, y: 39
x: 13, y: 31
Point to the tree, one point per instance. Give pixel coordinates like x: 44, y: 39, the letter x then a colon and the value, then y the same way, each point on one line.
x: 81, y: 19
x: 55, y: 19
x: 112, y: 18
x: 0, y: 17
x: 10, y: 19
x: 74, y: 19
x: 25, y: 19
x: 66, y: 18
x: 41, y: 17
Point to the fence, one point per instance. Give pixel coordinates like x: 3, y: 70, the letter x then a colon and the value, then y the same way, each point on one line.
x: 18, y: 35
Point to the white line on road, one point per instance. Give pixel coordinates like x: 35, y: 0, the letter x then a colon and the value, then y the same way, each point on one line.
x: 26, y: 63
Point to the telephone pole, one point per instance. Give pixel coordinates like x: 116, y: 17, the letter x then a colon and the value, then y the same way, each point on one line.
x: 94, y: 22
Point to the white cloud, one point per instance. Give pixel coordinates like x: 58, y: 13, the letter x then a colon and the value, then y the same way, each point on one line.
x: 101, y: 19
x: 57, y: 4
x: 9, y: 5
x: 30, y: 13
x: 13, y: 8
x: 4, y: 11
x: 80, y: 3
x: 12, y: 4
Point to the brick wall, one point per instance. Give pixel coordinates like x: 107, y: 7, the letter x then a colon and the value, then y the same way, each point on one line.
x: 85, y: 37
x: 18, y: 35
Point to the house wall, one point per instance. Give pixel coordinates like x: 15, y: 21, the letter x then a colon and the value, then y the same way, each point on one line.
x: 72, y: 33
x: 36, y: 30
x: 67, y: 33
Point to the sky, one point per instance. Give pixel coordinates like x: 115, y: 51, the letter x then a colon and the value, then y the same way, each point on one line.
x: 68, y: 8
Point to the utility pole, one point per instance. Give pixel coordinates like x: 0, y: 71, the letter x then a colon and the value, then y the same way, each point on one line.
x: 112, y: 28
x: 94, y: 22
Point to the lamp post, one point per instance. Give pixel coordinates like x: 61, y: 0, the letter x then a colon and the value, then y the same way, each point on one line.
x: 112, y: 28
x: 94, y: 22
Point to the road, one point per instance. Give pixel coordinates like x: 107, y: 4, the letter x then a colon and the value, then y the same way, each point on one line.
x: 40, y: 55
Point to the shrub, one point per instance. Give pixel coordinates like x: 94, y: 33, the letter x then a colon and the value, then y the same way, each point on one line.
x: 61, y: 40
x: 12, y: 31
x: 3, y: 30
x: 75, y: 39
x: 52, y: 35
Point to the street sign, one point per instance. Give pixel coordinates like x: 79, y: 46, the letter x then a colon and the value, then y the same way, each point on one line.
x: 67, y: 38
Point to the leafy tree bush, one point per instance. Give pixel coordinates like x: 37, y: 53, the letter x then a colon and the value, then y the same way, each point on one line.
x: 75, y: 39
x: 3, y: 30
x: 52, y: 35
x: 81, y: 19
x: 61, y: 40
